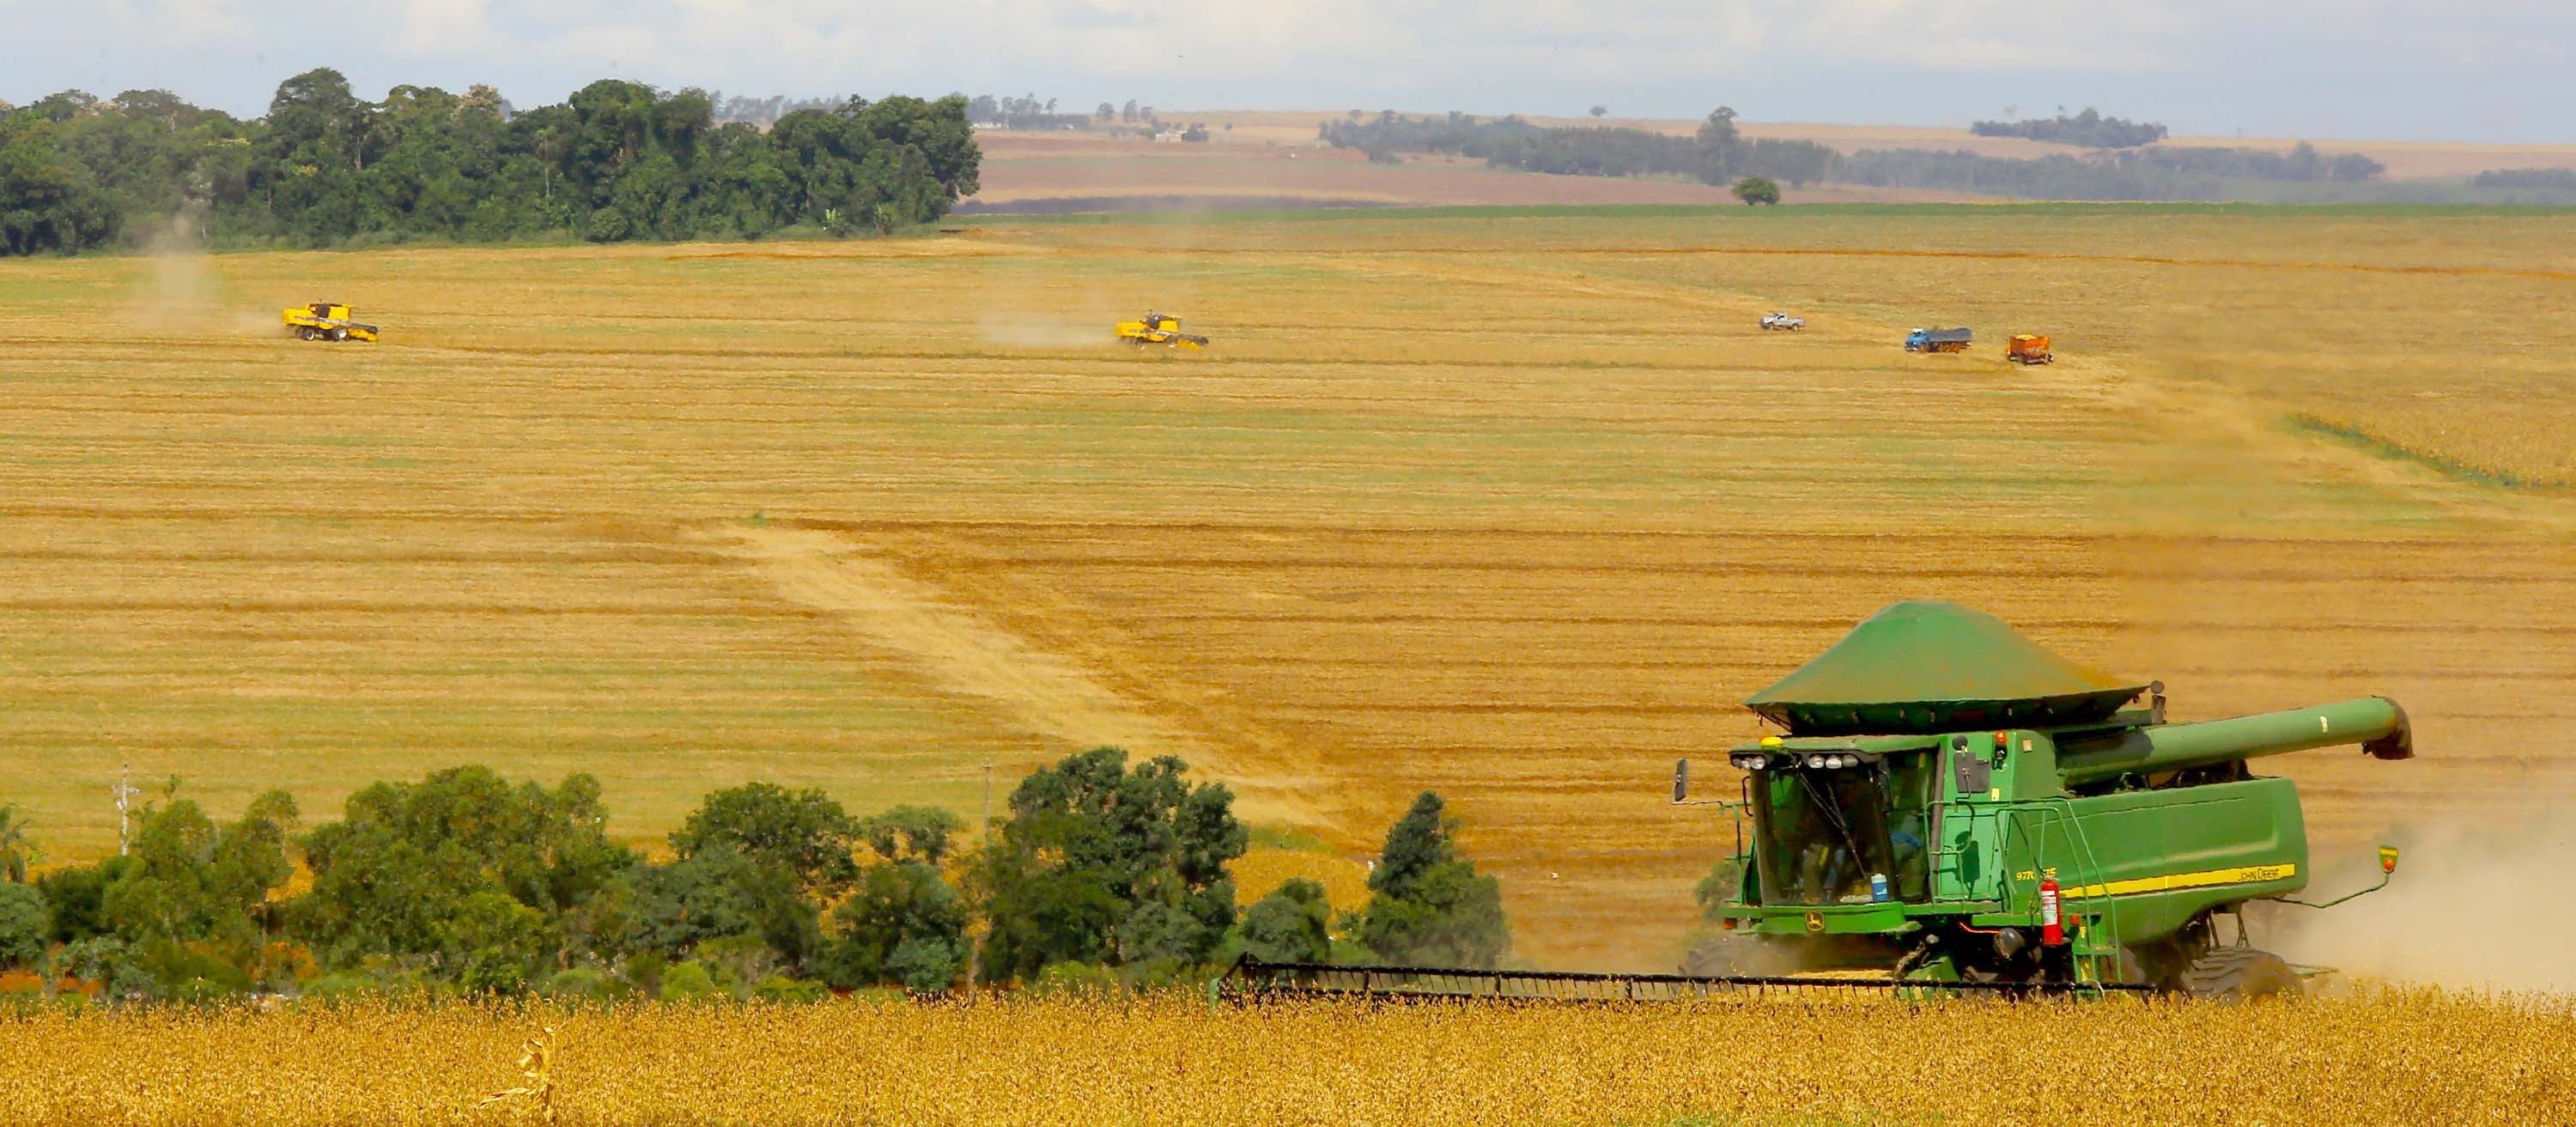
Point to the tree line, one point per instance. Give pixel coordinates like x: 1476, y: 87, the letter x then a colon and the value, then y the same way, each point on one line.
x: 2089, y: 129
x: 1718, y: 154
x: 1101, y: 874
x: 2176, y: 173
x: 617, y: 160
x: 2546, y: 179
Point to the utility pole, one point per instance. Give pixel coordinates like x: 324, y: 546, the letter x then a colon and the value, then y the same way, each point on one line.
x: 124, y: 791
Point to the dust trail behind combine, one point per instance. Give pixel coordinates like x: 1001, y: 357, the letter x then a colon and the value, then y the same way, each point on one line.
x: 960, y: 651
x: 2474, y: 904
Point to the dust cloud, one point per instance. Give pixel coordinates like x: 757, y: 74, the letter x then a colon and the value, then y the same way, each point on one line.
x: 179, y: 292
x: 1033, y: 330
x: 2473, y: 904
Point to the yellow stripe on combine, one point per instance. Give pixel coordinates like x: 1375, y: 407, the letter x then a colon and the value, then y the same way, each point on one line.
x: 2248, y: 874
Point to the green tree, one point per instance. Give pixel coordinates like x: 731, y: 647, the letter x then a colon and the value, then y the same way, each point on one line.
x: 1291, y: 925
x: 76, y: 897
x: 618, y: 160
x: 905, y: 924
x: 1428, y: 905
x: 422, y: 870
x: 1718, y: 134
x: 17, y: 850
x: 719, y: 893
x: 49, y: 200
x: 1724, y: 882
x: 26, y: 926
x: 311, y: 157
x: 190, y: 879
x: 1088, y: 846
x: 918, y: 833
x: 803, y: 833
x: 1756, y: 190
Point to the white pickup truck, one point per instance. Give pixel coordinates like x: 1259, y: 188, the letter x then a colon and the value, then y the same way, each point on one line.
x: 1783, y: 321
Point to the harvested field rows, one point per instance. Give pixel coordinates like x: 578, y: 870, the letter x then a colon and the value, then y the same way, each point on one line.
x: 1513, y: 506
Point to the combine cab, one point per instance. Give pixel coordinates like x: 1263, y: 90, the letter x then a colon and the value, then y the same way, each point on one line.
x: 1161, y: 329
x: 1953, y: 808
x: 2027, y: 348
x: 327, y: 320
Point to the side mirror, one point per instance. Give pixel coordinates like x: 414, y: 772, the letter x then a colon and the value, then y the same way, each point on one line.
x: 1681, y: 781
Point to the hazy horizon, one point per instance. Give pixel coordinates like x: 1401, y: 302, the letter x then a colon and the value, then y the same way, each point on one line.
x: 2479, y: 72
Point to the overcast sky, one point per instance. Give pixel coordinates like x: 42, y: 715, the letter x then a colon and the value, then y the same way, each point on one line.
x: 2480, y: 70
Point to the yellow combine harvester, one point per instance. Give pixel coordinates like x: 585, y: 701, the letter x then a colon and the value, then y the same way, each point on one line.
x: 1159, y: 328
x: 326, y: 320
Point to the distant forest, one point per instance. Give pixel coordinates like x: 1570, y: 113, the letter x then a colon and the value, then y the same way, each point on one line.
x: 1718, y: 154
x: 2553, y: 179
x: 618, y: 160
x: 2089, y: 129
x: 2194, y: 174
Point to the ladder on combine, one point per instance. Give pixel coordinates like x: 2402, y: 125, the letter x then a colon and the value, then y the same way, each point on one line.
x: 2096, y: 959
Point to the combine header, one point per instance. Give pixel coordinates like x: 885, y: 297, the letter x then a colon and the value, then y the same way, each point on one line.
x: 1953, y: 808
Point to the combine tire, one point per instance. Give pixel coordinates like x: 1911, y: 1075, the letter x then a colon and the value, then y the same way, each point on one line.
x: 305, y: 333
x: 2238, y: 974
x: 339, y: 334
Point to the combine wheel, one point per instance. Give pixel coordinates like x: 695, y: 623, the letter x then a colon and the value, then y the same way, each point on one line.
x: 339, y: 334
x: 2238, y: 974
x: 304, y: 332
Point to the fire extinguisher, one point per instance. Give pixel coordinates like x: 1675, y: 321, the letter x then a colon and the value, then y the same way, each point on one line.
x: 2052, y: 925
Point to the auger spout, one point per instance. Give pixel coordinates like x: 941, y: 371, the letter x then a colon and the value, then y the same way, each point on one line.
x: 2376, y: 723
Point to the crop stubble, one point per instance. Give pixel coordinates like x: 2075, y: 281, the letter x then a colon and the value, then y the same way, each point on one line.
x: 1508, y: 507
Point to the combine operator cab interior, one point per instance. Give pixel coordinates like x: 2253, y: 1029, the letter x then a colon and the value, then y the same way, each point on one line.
x: 1840, y: 828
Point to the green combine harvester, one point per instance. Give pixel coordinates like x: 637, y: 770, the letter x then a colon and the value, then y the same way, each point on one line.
x: 1953, y: 808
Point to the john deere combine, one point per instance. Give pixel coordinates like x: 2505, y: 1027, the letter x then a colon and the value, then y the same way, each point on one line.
x: 1955, y: 808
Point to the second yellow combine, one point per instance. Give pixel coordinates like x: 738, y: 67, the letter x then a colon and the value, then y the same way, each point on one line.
x: 1159, y: 329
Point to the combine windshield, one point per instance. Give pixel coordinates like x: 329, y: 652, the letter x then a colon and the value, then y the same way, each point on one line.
x: 1824, y: 832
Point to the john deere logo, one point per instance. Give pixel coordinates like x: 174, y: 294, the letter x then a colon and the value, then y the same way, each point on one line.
x: 1815, y: 921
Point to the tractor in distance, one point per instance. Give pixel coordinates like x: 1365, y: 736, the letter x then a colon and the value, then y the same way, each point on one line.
x: 1159, y: 329
x: 326, y: 320
x: 1783, y: 321
x: 1937, y: 340
x: 2028, y: 348
x: 1952, y: 803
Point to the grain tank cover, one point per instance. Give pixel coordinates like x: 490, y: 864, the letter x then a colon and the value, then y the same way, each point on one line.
x: 1924, y: 666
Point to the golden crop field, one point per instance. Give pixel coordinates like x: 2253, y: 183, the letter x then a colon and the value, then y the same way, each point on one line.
x: 2414, y: 1057
x: 1513, y: 505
